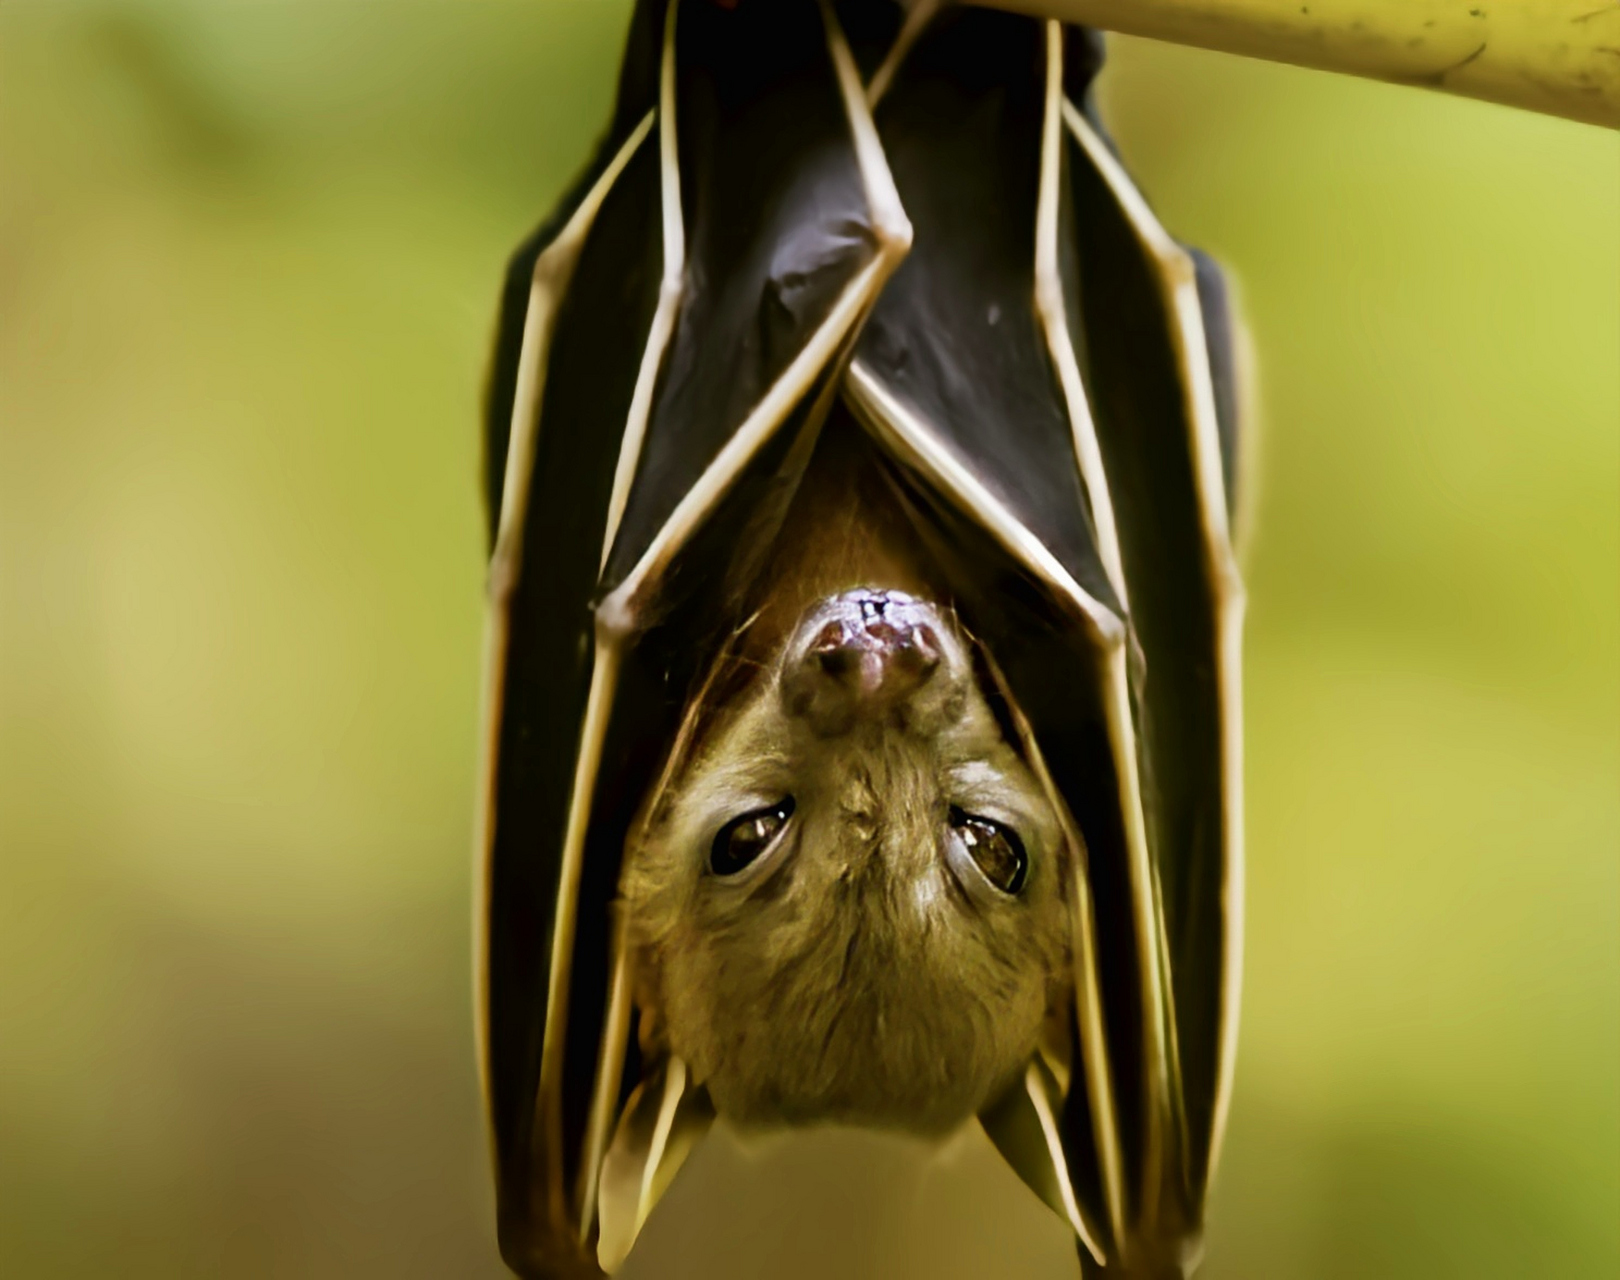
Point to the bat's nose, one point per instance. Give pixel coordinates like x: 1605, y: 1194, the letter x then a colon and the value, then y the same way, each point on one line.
x: 874, y: 659
x: 868, y: 652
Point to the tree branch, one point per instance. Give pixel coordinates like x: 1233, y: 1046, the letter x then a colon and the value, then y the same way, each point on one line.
x: 1557, y: 56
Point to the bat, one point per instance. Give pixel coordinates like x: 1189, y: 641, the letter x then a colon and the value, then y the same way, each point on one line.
x: 861, y: 712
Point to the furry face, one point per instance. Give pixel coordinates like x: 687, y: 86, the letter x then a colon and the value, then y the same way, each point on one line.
x: 848, y: 903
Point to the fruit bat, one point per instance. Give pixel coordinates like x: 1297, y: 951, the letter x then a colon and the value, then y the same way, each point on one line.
x: 861, y: 708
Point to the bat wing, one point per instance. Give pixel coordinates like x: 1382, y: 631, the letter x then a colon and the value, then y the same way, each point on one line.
x: 964, y: 375
x: 1155, y: 343
x: 1042, y: 369
x: 574, y: 373
x: 1050, y: 375
x: 1231, y: 375
x: 682, y: 327
x: 637, y: 96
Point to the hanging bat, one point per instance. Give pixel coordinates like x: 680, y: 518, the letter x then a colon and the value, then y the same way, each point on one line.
x: 861, y: 709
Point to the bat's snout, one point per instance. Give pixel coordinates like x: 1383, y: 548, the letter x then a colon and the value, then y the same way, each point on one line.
x: 862, y: 656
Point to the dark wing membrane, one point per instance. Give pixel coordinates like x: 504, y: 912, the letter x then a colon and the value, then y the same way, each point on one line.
x: 543, y: 582
x: 871, y: 26
x: 782, y: 253
x: 639, y: 68
x: 1084, y: 51
x: 671, y: 432
x: 1221, y: 337
x: 956, y: 374
x: 637, y: 95
x: 1142, y: 347
x: 501, y: 390
x: 955, y: 337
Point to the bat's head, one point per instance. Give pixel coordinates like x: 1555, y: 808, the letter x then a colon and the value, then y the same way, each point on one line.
x: 847, y: 902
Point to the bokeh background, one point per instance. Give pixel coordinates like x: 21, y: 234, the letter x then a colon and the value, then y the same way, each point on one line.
x: 248, y: 258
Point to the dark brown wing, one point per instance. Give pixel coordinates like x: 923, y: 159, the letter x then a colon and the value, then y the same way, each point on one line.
x: 594, y: 283
x: 682, y: 330
x: 1159, y: 375
x: 1042, y: 369
x: 964, y: 373
x: 1051, y: 380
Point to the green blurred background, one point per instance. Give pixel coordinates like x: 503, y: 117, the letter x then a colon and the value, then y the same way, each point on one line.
x: 248, y: 260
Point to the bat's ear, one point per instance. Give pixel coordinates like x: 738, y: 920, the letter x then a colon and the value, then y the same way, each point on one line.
x: 1026, y: 1124
x: 664, y: 1119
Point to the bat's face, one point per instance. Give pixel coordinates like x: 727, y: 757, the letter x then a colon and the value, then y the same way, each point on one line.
x: 848, y: 904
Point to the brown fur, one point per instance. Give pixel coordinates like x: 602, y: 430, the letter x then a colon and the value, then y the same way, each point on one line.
x: 855, y: 975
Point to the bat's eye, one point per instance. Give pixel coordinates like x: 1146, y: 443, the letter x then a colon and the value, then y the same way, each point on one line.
x: 743, y: 839
x: 994, y: 848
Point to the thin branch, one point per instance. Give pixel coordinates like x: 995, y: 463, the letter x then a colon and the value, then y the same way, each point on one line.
x: 1561, y: 57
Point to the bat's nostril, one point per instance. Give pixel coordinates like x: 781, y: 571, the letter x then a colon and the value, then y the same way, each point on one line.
x: 831, y: 638
x: 838, y: 662
x: 925, y: 645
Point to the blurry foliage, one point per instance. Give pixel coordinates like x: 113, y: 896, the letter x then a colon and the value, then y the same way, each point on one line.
x: 248, y: 259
